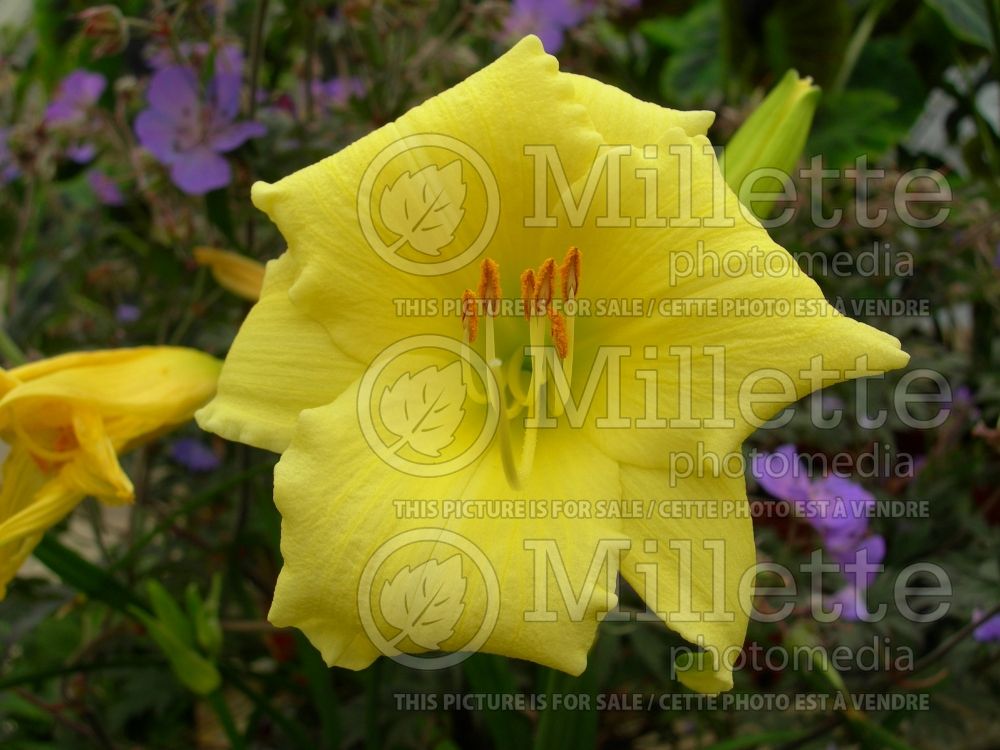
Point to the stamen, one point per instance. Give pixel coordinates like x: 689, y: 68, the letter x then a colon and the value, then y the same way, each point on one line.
x: 489, y: 293
x: 559, y: 336
x: 470, y: 328
x: 570, y: 273
x: 489, y: 286
x: 543, y: 291
x: 528, y: 285
x: 470, y: 317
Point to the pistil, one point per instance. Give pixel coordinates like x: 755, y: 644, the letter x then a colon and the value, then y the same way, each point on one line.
x: 537, y: 296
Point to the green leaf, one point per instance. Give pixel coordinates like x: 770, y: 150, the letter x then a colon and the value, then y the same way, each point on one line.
x: 967, y: 19
x: 808, y: 36
x: 764, y: 739
x: 487, y: 673
x: 568, y: 726
x: 194, y: 671
x: 169, y: 613
x: 218, y: 212
x: 84, y: 576
x: 694, y: 69
x: 853, y: 123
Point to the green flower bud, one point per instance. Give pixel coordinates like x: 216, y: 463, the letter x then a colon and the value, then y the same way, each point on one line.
x: 772, y: 138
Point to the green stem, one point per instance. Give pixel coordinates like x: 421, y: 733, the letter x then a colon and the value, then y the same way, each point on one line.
x: 218, y: 703
x: 857, y: 44
x: 10, y: 350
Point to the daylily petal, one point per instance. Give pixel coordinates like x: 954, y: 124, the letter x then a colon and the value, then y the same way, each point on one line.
x: 22, y: 531
x: 138, y: 391
x: 520, y: 99
x: 21, y: 481
x: 729, y: 350
x: 95, y: 470
x: 621, y: 118
x: 710, y: 567
x: 281, y: 363
x: 334, y: 522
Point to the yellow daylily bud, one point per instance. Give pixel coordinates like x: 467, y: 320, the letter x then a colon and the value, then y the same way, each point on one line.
x: 772, y: 138
x: 239, y: 274
x: 66, y: 420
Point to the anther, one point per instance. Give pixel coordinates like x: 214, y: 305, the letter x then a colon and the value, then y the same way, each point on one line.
x: 489, y: 286
x: 544, y: 290
x: 528, y: 285
x: 570, y: 273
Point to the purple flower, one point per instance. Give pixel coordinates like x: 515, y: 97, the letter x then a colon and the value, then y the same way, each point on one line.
x: 106, y: 189
x: 548, y: 19
x: 988, y: 630
x: 77, y: 93
x: 194, y: 455
x: 868, y: 554
x: 337, y: 92
x: 189, y: 134
x: 837, y: 508
x: 126, y: 313
x: 228, y: 58
x: 963, y: 402
x: 81, y: 152
x: 780, y: 473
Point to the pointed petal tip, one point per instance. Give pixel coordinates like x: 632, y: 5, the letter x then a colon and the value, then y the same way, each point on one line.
x: 263, y: 195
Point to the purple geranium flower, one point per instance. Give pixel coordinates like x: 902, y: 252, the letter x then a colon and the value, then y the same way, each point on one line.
x: 337, y: 92
x: 189, y: 134
x: 548, y: 19
x: 837, y: 508
x: 76, y: 94
x: 106, y: 189
x: 194, y: 455
x: 988, y: 630
x: 127, y: 313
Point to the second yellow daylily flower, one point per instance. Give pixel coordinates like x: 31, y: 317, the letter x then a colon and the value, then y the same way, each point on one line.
x: 64, y: 421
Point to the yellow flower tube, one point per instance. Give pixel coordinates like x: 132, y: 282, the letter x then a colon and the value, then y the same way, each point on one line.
x: 237, y: 273
x: 66, y: 419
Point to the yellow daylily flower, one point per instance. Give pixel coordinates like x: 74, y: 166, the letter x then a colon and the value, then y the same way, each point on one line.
x: 431, y: 451
x: 66, y: 419
x: 237, y: 273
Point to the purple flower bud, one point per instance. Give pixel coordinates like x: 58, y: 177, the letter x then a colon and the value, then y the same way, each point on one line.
x: 194, y: 455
